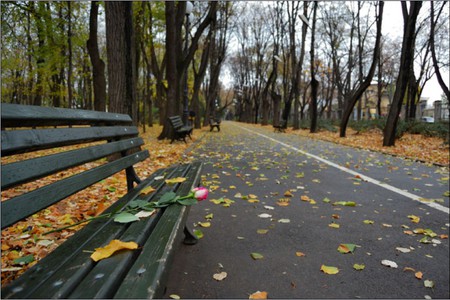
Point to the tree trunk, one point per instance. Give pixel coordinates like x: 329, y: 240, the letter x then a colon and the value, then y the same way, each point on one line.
x: 121, y: 56
x: 406, y: 60
x: 98, y: 66
x: 366, y: 83
x: 314, y: 82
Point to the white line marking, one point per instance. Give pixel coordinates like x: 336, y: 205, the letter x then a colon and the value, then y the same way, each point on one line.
x: 363, y: 177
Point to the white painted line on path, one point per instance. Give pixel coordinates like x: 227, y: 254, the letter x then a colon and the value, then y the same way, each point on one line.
x: 363, y: 177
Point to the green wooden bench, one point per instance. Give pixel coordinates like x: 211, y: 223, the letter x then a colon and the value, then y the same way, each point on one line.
x: 68, y: 271
x: 214, y: 124
x: 180, y: 131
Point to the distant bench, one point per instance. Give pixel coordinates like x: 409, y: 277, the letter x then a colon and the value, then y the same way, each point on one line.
x: 181, y: 131
x: 214, y: 124
x: 69, y: 271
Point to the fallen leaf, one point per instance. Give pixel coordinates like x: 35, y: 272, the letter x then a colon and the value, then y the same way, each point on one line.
x: 300, y: 254
x: 305, y: 198
x: 428, y: 283
x: 145, y: 214
x: 256, y: 255
x: 329, y: 270
x: 258, y: 295
x: 334, y: 225
x: 262, y: 231
x: 403, y: 250
x: 198, y: 233
x: 284, y: 221
x: 175, y: 180
x: 346, y: 248
x: 345, y: 203
x: 174, y: 296
x: 111, y: 248
x: 265, y: 216
x: 288, y: 194
x: 204, y: 224
x: 414, y: 219
x: 220, y: 276
x: 269, y: 207
x: 389, y: 263
x: 368, y: 222
x: 147, y: 190
x: 408, y: 269
x: 418, y: 275
x: 24, y: 260
x: 359, y: 267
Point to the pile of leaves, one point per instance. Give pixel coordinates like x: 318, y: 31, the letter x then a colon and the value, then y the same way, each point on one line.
x: 26, y: 242
x: 417, y: 147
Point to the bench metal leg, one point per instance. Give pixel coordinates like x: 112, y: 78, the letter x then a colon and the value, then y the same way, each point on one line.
x: 189, y: 237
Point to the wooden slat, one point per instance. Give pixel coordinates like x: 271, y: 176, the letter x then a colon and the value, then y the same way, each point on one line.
x: 145, y: 279
x: 24, y: 171
x: 14, y: 115
x: 22, y: 206
x: 21, y: 141
x: 93, y: 235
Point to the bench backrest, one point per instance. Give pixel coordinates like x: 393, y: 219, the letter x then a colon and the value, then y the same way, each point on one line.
x: 176, y: 122
x: 27, y: 129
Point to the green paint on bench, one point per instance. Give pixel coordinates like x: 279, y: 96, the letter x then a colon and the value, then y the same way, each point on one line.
x: 69, y: 272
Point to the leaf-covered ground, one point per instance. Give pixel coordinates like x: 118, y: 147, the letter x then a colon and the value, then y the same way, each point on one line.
x: 24, y: 244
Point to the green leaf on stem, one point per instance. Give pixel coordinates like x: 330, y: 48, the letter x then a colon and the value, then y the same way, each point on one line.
x: 125, y: 217
x: 188, y: 201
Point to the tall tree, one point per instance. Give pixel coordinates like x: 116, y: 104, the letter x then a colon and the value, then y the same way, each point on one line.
x: 409, y: 30
x: 98, y: 66
x: 366, y: 82
x: 314, y: 82
x: 121, y: 58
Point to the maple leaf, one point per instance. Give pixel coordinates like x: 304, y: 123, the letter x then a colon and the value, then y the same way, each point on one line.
x: 111, y: 248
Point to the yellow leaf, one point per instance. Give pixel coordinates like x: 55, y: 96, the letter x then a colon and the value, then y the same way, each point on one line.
x: 204, y: 224
x: 329, y: 270
x: 334, y: 225
x: 305, y: 198
x: 414, y: 219
x: 252, y: 196
x: 175, y: 180
x: 147, y: 190
x: 300, y: 254
x: 258, y: 295
x: 283, y: 202
x: 419, y: 275
x: 113, y: 246
x: 288, y: 194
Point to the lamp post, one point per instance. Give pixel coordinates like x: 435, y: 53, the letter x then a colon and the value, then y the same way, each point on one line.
x: 189, y: 7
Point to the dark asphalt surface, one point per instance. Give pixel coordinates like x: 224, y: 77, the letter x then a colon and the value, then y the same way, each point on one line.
x: 244, y: 160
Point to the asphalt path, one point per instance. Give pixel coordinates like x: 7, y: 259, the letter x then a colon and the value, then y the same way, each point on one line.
x: 280, y: 197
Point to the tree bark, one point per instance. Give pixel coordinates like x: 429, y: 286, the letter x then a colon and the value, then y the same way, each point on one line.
x: 98, y: 66
x: 121, y: 58
x: 406, y: 60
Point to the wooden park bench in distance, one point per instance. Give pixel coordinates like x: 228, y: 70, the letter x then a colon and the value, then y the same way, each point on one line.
x: 69, y: 271
x: 180, y: 131
x: 214, y: 123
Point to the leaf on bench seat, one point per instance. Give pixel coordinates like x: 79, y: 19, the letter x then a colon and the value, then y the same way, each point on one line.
x: 125, y: 217
x: 148, y: 190
x: 175, y: 180
x: 111, y: 248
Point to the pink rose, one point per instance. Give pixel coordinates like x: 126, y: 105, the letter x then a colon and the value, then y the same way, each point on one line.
x: 200, y: 193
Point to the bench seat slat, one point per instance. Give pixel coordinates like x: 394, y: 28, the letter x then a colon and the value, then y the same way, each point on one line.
x: 145, y: 279
x: 24, y: 171
x: 21, y: 141
x: 15, y: 115
x: 71, y: 252
x: 25, y: 205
